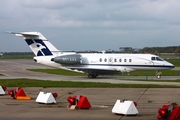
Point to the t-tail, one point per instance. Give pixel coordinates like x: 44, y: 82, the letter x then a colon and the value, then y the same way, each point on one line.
x: 38, y: 43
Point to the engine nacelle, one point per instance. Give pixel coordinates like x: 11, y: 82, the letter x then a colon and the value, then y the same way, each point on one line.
x: 68, y: 59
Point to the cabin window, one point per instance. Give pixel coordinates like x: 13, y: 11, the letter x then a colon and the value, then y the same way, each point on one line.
x: 100, y: 59
x: 115, y: 60
x: 105, y: 60
x: 130, y: 60
x: 125, y: 60
x: 120, y: 60
x: 153, y: 58
x: 110, y: 60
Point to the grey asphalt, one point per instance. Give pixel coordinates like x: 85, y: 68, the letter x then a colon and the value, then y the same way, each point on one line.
x: 149, y: 100
x: 102, y: 101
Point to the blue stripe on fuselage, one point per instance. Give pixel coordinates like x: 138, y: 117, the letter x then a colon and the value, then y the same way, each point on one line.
x: 124, y: 65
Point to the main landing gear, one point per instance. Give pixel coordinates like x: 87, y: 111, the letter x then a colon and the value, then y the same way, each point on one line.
x: 92, y: 75
x: 158, y: 74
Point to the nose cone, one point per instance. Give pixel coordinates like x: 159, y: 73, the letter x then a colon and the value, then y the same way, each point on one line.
x: 171, y: 66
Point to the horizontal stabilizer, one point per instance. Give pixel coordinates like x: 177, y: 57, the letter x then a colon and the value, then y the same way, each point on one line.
x: 29, y: 35
x: 25, y: 33
x: 38, y: 43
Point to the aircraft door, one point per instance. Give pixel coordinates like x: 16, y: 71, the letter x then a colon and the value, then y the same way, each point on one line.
x: 110, y: 60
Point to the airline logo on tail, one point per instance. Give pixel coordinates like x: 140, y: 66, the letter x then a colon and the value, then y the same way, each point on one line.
x: 38, y: 47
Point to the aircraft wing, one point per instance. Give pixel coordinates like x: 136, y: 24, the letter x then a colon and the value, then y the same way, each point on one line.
x: 97, y: 70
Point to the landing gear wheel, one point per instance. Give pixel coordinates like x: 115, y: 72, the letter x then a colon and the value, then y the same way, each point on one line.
x: 158, y: 76
x: 92, y: 75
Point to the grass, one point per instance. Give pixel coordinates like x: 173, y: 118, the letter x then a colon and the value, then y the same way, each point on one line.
x: 48, y: 83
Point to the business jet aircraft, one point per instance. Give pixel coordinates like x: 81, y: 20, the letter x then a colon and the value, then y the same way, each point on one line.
x: 93, y: 64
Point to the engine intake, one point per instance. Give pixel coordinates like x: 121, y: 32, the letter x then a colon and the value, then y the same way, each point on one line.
x: 68, y: 59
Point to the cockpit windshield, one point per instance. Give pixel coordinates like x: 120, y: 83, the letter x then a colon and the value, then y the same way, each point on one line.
x: 157, y: 59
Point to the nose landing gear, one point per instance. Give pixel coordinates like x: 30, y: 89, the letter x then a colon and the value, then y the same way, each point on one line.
x: 158, y: 74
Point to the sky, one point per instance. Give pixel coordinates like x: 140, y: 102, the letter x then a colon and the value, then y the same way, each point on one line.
x: 91, y: 24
